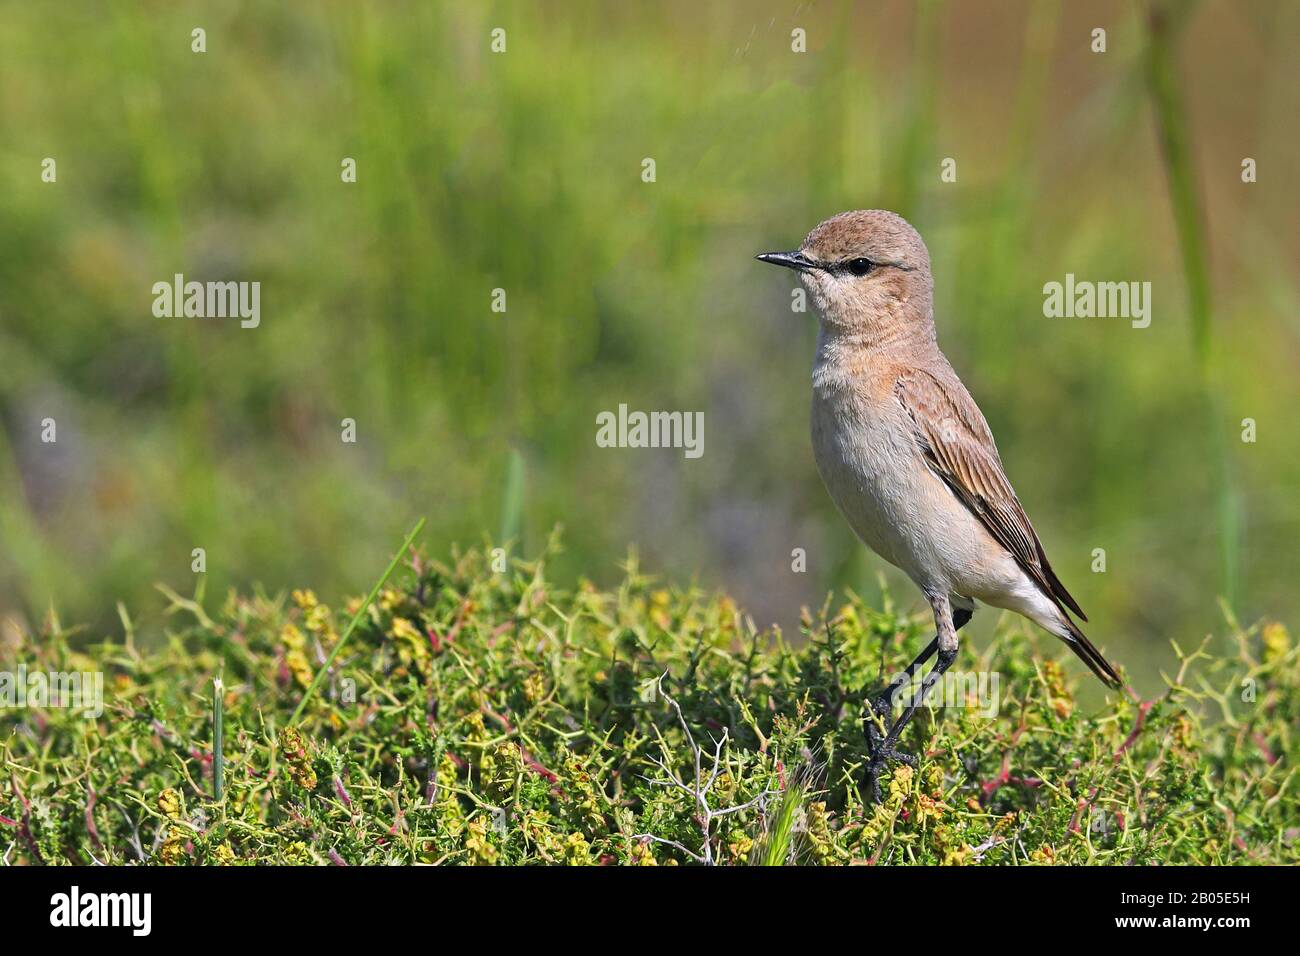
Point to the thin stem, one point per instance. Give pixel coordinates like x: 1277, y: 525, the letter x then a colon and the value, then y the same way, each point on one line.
x: 356, y: 619
x: 218, y: 758
x: 1176, y: 151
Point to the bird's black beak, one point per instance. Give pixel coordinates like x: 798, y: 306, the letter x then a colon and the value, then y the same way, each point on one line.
x: 791, y: 260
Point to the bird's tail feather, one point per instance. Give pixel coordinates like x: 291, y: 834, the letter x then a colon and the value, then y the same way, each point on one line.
x: 1088, y: 653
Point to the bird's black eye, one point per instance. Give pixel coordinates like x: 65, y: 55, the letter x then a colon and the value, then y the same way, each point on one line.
x: 860, y: 267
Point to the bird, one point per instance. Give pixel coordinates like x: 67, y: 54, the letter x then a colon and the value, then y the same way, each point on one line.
x: 908, y: 457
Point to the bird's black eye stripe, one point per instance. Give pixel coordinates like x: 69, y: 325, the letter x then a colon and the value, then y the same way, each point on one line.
x: 859, y: 266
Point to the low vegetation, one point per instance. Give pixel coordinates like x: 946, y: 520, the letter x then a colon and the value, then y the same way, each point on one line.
x: 483, y: 717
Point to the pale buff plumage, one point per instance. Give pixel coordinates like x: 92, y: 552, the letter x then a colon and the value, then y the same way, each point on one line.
x: 902, y: 447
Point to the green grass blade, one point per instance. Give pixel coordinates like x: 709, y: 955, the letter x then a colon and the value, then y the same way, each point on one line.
x: 218, y: 758
x: 1176, y: 152
x: 512, y: 502
x: 780, y: 835
x: 356, y: 619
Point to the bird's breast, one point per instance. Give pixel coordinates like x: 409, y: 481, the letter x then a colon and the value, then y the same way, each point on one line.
x: 868, y: 457
x: 868, y: 464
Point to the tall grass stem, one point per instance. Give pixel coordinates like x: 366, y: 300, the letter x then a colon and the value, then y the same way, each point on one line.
x: 1176, y: 151
x: 356, y: 619
x: 218, y: 758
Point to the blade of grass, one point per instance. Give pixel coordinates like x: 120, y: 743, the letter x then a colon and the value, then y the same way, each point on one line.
x: 512, y: 504
x: 218, y: 759
x: 780, y: 837
x: 356, y: 619
x: 1176, y: 152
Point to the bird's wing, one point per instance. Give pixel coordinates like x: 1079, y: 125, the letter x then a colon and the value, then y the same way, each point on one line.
x: 959, y: 447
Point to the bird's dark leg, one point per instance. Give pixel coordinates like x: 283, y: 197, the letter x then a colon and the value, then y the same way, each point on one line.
x: 945, y: 642
x: 883, y: 704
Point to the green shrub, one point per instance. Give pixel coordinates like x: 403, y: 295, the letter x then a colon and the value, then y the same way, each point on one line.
x: 491, y: 718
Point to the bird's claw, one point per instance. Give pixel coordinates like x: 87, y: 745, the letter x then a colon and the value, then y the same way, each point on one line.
x: 882, y: 704
x: 877, y: 719
x: 879, y: 757
x: 880, y: 741
x: 909, y: 759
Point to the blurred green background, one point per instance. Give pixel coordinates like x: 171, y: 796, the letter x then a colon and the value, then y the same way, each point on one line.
x: 522, y: 171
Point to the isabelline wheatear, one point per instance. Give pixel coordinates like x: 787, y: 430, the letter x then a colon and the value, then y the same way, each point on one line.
x: 906, y: 454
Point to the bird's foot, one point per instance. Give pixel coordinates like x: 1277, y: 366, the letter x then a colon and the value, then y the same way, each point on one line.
x: 876, y: 721
x: 879, y: 757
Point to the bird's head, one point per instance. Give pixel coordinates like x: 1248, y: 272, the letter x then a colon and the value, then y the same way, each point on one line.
x: 868, y: 270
